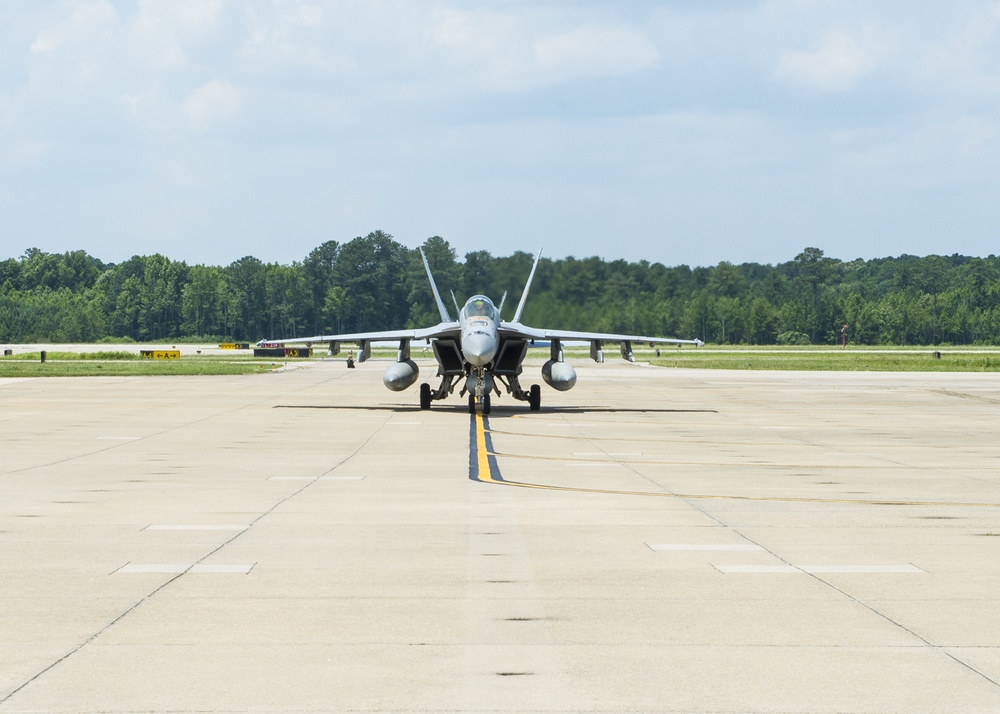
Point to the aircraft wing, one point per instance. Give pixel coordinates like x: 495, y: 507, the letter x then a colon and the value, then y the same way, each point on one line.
x: 608, y: 337
x: 443, y: 329
x: 534, y: 333
x: 596, y: 339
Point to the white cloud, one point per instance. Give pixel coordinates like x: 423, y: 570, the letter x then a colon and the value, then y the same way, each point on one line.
x: 69, y: 55
x: 291, y: 37
x: 88, y: 21
x: 191, y: 15
x: 168, y: 35
x: 836, y: 63
x: 401, y: 112
x: 962, y: 57
x: 940, y: 151
x: 595, y: 51
x: 524, y: 48
x: 24, y: 154
x: 210, y: 105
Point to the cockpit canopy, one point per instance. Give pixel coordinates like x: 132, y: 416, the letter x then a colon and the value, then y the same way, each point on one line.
x: 480, y: 306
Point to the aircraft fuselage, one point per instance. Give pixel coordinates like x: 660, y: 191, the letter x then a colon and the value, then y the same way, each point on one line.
x: 479, y: 321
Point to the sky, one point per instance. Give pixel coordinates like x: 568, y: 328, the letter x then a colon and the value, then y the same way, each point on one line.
x: 672, y: 131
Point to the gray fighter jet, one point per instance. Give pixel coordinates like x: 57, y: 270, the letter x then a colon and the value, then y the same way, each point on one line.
x: 480, y: 350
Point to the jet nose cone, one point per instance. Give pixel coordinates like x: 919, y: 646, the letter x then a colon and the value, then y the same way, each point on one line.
x: 479, y: 349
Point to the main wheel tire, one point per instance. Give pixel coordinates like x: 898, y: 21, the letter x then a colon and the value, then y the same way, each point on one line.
x: 425, y: 396
x: 472, y: 404
x: 535, y: 398
x: 487, y: 406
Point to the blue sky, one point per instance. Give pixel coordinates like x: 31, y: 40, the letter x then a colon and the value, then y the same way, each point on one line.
x: 677, y: 132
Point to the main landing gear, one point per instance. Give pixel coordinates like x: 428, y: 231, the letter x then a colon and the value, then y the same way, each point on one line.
x: 427, y: 395
x: 533, y: 396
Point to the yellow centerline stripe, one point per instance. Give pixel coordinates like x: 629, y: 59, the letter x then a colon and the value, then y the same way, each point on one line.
x: 483, y: 456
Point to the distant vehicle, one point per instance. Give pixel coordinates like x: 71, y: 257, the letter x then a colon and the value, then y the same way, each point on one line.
x: 481, y: 349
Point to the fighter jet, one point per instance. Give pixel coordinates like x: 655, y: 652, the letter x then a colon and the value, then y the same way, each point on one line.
x: 481, y: 351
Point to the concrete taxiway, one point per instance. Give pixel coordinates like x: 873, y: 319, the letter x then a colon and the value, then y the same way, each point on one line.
x: 654, y: 540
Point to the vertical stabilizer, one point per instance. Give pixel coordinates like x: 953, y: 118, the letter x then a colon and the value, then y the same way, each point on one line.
x: 445, y: 317
x: 527, y: 286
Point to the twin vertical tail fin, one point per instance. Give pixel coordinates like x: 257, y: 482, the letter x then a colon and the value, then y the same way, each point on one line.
x: 527, y: 286
x: 445, y: 317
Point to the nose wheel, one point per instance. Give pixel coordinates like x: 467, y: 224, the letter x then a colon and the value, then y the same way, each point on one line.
x: 486, y: 404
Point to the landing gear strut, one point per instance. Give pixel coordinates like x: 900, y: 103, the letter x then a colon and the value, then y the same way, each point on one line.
x: 533, y: 396
x: 480, y: 394
x: 427, y: 395
x: 486, y: 404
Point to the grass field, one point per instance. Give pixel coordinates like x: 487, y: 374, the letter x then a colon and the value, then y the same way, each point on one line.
x: 862, y: 359
x: 927, y: 359
x: 103, y: 356
x: 76, y: 366
x: 818, y: 358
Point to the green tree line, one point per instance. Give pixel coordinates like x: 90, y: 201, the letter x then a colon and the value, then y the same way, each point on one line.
x: 375, y: 283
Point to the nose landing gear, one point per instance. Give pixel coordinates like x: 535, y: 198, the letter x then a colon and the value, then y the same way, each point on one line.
x: 485, y: 402
x: 479, y: 385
